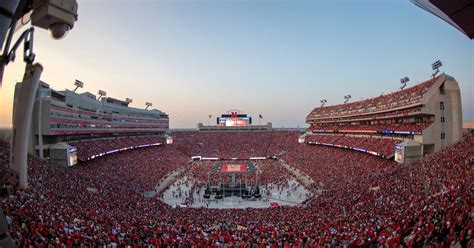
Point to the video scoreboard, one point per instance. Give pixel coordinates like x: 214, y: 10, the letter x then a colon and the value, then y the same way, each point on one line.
x: 234, y: 119
x: 72, y: 156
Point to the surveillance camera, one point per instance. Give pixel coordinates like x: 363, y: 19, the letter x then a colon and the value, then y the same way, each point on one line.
x: 58, y: 30
x: 58, y: 16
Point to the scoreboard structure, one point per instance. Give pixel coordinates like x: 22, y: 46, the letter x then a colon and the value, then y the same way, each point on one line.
x: 234, y: 118
x: 234, y: 121
x: 399, y: 153
x: 408, y: 151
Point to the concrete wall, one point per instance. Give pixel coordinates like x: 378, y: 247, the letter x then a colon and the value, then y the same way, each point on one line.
x: 446, y: 90
x: 413, y: 152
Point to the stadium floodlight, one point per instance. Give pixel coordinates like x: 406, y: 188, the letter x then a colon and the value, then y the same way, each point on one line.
x: 323, y: 101
x: 148, y: 104
x: 78, y: 85
x: 404, y: 82
x: 435, y: 67
x: 347, y: 98
x: 129, y: 100
x: 101, y: 94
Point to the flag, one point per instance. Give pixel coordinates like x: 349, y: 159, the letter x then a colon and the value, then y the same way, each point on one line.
x: 260, y: 116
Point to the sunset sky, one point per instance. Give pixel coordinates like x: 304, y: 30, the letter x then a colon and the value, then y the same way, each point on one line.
x: 275, y: 58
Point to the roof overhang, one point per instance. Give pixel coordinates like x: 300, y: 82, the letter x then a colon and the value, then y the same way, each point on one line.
x: 458, y: 13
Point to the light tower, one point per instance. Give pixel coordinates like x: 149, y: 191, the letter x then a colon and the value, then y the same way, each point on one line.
x: 435, y: 67
x: 323, y: 101
x: 78, y: 85
x: 148, y: 104
x: 347, y: 97
x: 404, y: 82
x: 101, y: 94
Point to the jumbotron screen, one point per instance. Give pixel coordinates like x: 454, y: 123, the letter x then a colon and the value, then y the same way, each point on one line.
x: 233, y: 122
x: 72, y: 152
x: 234, y: 119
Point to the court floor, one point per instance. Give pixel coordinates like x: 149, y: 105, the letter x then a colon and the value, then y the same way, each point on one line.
x: 293, y: 193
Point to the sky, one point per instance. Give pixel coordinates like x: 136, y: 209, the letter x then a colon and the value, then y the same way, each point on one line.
x: 195, y: 58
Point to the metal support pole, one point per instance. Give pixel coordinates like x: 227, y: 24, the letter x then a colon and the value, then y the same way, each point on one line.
x: 22, y: 121
x: 40, y: 129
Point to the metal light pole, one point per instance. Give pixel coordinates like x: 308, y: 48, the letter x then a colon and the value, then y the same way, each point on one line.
x: 323, y: 101
x: 148, y: 104
x: 78, y: 85
x: 58, y: 21
x: 101, y: 93
x: 435, y: 67
x: 22, y: 121
x: 347, y: 98
x: 404, y: 82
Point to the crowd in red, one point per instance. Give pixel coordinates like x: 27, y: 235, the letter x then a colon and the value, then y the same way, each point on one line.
x: 383, y: 146
x: 349, y: 128
x: 405, y: 97
x: 88, y: 148
x: 379, y: 116
x: 223, y: 145
x: 366, y: 200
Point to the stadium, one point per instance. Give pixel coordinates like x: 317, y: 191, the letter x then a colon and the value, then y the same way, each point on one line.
x: 388, y: 170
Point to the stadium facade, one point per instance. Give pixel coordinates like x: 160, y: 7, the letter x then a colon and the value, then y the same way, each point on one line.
x: 429, y: 113
x: 66, y: 116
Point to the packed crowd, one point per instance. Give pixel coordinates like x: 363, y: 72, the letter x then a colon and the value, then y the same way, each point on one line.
x: 405, y: 97
x: 348, y: 127
x: 224, y: 145
x: 382, y: 146
x: 94, y: 203
x: 384, y: 115
x: 88, y: 148
x: 366, y: 201
x: 4, y: 157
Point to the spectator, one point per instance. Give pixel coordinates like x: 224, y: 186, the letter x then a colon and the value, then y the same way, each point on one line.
x: 366, y: 200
